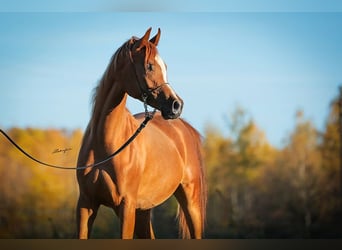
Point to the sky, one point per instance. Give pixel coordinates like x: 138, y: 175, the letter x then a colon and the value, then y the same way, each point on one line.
x: 269, y: 63
x: 174, y: 5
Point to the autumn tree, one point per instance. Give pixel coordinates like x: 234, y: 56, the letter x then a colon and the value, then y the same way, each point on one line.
x: 36, y: 201
x: 234, y: 165
x: 254, y: 189
x: 330, y: 210
x: 302, y: 161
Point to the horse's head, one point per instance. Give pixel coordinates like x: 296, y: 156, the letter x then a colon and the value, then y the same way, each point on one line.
x: 151, y: 84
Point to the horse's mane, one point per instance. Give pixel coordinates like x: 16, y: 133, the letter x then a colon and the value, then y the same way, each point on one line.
x: 116, y: 63
x: 105, y: 84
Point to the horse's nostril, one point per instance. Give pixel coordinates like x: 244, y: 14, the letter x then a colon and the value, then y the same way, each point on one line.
x: 176, y: 107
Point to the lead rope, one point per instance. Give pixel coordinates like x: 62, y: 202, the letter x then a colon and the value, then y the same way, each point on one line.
x: 148, y: 117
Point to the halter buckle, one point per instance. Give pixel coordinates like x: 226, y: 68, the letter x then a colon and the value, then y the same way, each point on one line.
x: 148, y: 114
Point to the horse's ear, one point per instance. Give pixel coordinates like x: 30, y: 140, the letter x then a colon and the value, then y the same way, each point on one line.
x: 155, y: 39
x: 144, y: 40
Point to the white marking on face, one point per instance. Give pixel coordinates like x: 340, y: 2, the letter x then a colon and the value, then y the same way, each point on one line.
x: 173, y: 94
x: 162, y: 66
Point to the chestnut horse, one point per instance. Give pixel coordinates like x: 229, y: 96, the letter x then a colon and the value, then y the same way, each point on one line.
x: 164, y: 160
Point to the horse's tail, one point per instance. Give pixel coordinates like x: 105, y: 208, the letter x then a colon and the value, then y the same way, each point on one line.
x: 202, y: 191
x: 183, y: 226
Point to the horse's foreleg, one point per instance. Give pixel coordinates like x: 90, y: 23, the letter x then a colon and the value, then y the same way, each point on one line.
x: 143, y: 225
x: 127, y: 218
x: 85, y: 219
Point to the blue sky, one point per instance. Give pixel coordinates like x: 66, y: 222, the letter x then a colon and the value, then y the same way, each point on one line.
x: 271, y: 64
x: 175, y: 5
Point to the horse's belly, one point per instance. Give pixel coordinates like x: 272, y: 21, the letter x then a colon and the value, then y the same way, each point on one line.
x: 164, y: 165
x: 156, y: 191
x: 147, y: 201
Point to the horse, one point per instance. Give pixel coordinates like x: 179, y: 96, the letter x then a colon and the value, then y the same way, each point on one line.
x: 164, y: 160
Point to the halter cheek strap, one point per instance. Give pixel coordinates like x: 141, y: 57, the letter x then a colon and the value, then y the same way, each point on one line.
x: 145, y: 92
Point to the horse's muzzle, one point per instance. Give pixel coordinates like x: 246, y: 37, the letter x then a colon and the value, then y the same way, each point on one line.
x: 172, y: 109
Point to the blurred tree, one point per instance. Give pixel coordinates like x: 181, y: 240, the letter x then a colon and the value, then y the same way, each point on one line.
x: 234, y: 165
x: 303, y: 161
x: 37, y: 202
x: 330, y: 209
x: 255, y: 190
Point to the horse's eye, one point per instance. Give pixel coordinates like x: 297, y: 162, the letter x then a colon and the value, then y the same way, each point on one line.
x: 150, y: 67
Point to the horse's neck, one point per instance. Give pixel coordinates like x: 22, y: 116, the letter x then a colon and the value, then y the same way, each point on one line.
x: 115, y: 122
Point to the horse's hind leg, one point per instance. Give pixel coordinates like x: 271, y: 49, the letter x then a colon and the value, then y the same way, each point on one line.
x: 190, y: 205
x: 85, y: 219
x: 143, y: 226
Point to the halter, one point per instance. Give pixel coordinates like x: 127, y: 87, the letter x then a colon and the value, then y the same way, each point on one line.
x: 145, y: 92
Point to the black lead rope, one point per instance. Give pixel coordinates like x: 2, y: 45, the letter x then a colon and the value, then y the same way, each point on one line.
x: 148, y: 117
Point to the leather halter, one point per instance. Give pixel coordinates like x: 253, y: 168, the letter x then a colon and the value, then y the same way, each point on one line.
x: 146, y: 92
